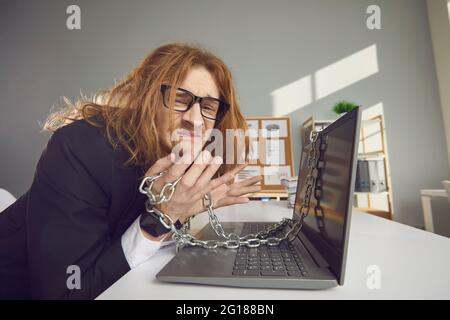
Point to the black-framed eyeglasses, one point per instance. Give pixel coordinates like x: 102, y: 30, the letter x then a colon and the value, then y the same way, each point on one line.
x: 211, y: 108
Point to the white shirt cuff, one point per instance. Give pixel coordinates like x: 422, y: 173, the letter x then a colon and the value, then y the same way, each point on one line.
x: 136, y: 247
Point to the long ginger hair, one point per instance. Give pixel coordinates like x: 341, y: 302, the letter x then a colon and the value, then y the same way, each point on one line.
x: 129, y: 108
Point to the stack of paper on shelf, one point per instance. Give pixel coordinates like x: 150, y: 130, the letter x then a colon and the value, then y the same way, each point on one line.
x: 290, y: 186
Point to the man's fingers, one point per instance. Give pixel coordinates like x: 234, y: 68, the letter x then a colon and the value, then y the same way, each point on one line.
x: 195, y: 171
x: 161, y: 165
x: 209, y: 172
x: 239, y: 168
x: 177, y: 169
x: 228, y: 201
x: 214, y: 183
x: 227, y: 177
x: 243, y: 190
x: 249, y: 181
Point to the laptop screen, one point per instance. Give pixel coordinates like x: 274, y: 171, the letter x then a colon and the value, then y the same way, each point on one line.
x: 326, y: 229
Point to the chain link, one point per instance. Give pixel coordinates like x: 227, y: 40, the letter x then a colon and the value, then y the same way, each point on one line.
x: 164, y: 195
x: 232, y: 240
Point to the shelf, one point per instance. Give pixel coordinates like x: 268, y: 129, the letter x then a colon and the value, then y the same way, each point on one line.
x: 323, y: 121
x: 383, y: 193
x: 274, y: 195
x: 371, y: 155
x: 376, y: 212
x: 370, y: 122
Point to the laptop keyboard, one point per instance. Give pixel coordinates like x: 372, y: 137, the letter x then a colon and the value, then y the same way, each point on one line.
x: 248, y: 228
x: 279, y: 261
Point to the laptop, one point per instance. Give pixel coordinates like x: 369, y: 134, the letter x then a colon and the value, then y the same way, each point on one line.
x: 316, y: 257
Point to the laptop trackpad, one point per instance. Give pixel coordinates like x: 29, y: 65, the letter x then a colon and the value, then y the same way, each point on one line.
x: 207, y: 233
x: 190, y: 261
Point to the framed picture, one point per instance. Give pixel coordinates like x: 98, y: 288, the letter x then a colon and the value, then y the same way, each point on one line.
x: 275, y: 152
x: 253, y: 128
x: 271, y: 153
x: 274, y: 128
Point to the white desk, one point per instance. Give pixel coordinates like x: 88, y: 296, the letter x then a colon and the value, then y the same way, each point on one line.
x: 413, y: 264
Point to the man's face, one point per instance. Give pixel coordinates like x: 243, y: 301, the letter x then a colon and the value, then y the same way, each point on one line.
x: 189, y: 126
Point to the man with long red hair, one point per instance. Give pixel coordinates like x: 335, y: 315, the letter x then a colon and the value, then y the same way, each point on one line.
x: 84, y: 213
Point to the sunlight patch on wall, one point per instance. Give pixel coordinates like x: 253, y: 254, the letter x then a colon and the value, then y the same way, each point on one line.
x: 291, y: 97
x: 346, y: 72
x: 326, y: 81
x: 448, y: 10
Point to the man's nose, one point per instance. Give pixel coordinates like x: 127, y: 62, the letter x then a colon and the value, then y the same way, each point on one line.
x: 194, y: 115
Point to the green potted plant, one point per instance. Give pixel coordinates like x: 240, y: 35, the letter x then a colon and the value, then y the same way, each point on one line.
x: 344, y: 106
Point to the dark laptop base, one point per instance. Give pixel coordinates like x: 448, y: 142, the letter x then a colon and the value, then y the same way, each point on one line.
x: 215, y: 267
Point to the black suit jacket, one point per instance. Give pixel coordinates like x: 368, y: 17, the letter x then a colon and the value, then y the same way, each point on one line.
x: 81, y: 201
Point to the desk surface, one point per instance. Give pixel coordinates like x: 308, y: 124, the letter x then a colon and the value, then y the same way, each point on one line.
x: 413, y: 264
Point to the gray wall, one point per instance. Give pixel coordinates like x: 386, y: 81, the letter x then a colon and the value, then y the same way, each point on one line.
x: 268, y: 44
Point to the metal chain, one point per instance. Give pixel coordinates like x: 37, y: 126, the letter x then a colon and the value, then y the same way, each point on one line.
x: 319, y: 213
x: 232, y: 240
x: 164, y: 195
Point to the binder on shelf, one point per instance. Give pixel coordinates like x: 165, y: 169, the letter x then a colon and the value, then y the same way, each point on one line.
x: 370, y: 176
x: 381, y: 176
x: 373, y: 176
x: 362, y: 176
